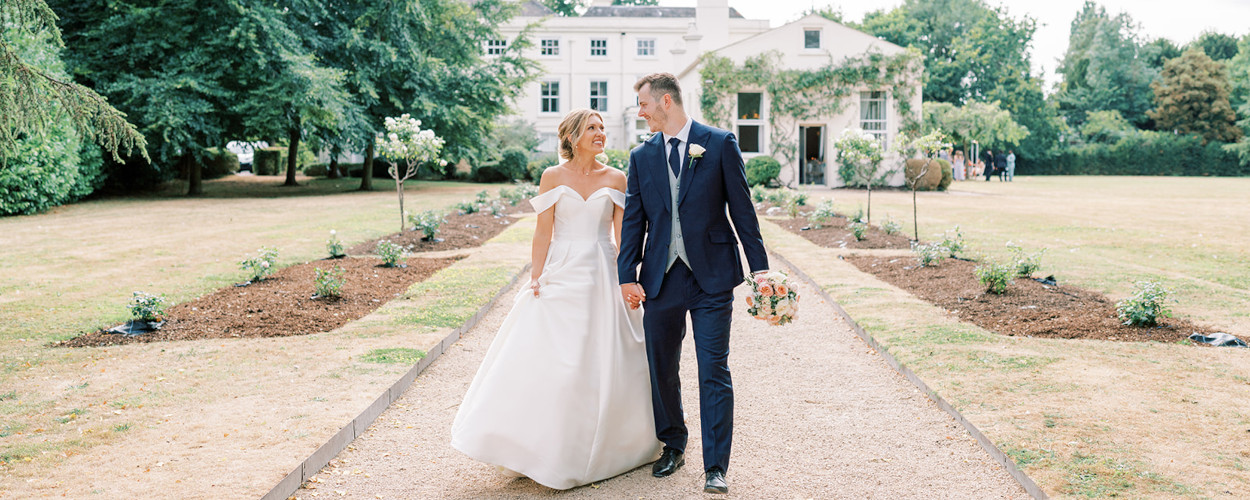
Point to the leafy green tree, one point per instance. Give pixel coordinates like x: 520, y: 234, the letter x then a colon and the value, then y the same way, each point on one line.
x: 984, y: 123
x: 1217, y: 46
x: 635, y: 2
x: 1103, y: 68
x: 1192, y: 98
x: 1239, y: 78
x: 974, y: 53
x: 32, y: 100
x: 1158, y: 51
x: 425, y: 58
x: 566, y: 8
x: 1105, y: 127
x: 830, y: 12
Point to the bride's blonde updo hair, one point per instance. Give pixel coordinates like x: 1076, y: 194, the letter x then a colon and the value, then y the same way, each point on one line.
x: 572, y: 128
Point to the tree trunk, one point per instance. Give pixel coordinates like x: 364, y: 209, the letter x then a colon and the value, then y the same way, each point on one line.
x: 333, y: 173
x: 915, y: 223
x: 195, y: 182
x: 366, y: 176
x: 869, y: 221
x: 292, y: 154
x: 399, y: 187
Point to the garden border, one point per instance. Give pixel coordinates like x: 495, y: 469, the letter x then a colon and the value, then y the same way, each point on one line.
x: 358, y: 425
x: 1027, y: 483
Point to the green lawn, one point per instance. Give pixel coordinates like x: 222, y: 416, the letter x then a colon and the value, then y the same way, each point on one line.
x: 73, y: 269
x: 1102, y: 233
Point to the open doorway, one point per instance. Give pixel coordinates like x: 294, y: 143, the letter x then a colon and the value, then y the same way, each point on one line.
x: 812, y: 155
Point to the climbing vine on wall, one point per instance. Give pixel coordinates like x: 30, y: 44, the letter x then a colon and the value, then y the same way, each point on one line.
x: 795, y: 95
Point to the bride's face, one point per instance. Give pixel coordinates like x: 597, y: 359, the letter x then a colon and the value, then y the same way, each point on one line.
x: 593, y: 137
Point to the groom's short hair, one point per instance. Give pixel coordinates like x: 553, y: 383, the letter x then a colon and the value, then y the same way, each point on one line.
x: 661, y: 83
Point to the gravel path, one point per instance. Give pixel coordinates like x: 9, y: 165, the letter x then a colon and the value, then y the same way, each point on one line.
x: 818, y: 415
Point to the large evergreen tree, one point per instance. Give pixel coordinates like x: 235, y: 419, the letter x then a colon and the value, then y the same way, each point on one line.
x: 32, y: 99
x: 1104, y: 69
x: 1192, y: 98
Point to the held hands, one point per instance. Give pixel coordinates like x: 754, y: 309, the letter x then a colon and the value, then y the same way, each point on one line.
x: 633, y: 294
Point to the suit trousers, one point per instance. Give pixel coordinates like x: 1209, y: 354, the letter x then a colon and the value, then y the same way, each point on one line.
x: 665, y: 326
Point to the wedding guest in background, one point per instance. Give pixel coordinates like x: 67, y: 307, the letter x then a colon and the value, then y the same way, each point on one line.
x: 957, y: 166
x: 1000, y: 165
x: 987, y: 164
x: 1011, y: 165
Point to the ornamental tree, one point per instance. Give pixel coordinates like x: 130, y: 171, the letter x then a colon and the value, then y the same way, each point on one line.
x: 405, y: 143
x: 859, y: 158
x: 925, y: 147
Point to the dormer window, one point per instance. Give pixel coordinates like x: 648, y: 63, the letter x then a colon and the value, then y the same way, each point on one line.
x: 811, y: 38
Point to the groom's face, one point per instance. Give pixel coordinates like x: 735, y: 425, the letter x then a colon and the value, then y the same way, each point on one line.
x: 651, y: 109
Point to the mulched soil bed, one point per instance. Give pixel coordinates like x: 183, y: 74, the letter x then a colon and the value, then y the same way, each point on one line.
x: 1028, y: 308
x: 460, y: 231
x: 281, y: 305
x: 834, y: 234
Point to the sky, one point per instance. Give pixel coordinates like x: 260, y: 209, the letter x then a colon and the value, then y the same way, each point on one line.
x: 1158, y: 19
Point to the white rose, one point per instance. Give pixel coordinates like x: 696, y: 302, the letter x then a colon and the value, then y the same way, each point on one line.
x: 696, y: 150
x: 442, y: 163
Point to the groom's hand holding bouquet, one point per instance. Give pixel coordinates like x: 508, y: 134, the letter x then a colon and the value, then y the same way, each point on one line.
x: 773, y: 298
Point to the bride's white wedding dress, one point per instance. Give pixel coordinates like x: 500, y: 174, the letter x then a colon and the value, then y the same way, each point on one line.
x: 563, y: 395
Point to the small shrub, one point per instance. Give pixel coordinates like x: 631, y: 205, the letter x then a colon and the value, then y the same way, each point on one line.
x: 953, y: 241
x: 617, y: 158
x: 996, y: 276
x: 1147, y: 305
x: 262, y: 265
x: 929, y: 254
x: 1026, y: 264
x: 466, y: 207
x: 823, y: 214
x: 858, y: 216
x: 496, y: 208
x: 513, y: 164
x: 329, y: 283
x: 390, y: 253
x: 859, y: 230
x: 334, y: 246
x: 527, y: 190
x: 792, y: 207
x: 891, y: 227
x: 483, y: 197
x: 758, y: 193
x: 540, y: 163
x: 146, y: 307
x: 762, y: 169
x: 427, y: 222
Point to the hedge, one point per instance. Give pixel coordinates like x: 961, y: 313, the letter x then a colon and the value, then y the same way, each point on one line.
x: 1143, y: 153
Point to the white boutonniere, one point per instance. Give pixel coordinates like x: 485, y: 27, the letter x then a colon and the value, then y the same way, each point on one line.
x: 696, y: 152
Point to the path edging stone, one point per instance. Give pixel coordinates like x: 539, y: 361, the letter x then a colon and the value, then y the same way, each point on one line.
x: 358, y: 425
x: 1025, y: 481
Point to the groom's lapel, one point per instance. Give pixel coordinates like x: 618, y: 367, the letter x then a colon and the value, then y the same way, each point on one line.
x: 658, y: 169
x: 699, y: 134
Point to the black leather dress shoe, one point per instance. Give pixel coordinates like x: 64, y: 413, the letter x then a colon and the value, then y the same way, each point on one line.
x: 715, y: 481
x: 668, y: 463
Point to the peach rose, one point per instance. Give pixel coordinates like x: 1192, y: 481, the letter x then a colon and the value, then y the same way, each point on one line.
x: 766, y: 290
x: 750, y: 301
x: 782, y: 290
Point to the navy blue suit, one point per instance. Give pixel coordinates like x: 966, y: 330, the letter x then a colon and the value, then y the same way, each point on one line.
x: 713, y: 191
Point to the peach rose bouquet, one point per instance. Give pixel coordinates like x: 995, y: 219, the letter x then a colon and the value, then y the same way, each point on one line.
x: 773, y: 298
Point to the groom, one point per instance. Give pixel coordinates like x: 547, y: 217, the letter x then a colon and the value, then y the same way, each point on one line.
x: 680, y: 183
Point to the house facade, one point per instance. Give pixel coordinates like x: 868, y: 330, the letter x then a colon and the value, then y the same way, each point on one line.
x: 592, y: 61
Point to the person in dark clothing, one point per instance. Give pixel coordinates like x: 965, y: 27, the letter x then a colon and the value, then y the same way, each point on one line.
x: 1000, y: 166
x: 988, y: 160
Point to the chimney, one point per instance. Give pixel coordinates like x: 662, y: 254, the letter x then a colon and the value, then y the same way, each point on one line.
x: 712, y: 18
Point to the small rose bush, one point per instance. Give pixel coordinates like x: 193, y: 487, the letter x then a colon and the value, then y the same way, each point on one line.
x: 146, y: 307
x: 260, y: 266
x: 1147, y: 305
x: 334, y: 247
x: 329, y: 283
x: 390, y: 252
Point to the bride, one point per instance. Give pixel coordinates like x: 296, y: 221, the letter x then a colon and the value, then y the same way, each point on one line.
x: 563, y: 395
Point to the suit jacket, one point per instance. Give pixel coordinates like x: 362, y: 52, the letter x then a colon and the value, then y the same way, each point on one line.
x: 715, y: 181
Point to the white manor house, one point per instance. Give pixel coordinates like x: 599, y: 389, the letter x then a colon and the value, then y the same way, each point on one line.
x: 593, y: 60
